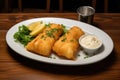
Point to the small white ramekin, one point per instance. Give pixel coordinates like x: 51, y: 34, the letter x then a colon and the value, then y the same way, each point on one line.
x: 89, y: 51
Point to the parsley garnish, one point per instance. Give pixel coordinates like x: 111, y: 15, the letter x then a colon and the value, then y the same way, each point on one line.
x: 64, y: 29
x: 63, y: 40
x: 22, y: 35
x: 50, y: 33
x: 47, y: 25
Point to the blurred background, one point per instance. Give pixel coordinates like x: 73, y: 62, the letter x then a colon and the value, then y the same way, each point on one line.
x: 15, y: 6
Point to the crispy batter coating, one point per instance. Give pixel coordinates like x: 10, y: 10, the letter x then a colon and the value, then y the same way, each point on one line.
x: 44, y: 42
x: 67, y: 46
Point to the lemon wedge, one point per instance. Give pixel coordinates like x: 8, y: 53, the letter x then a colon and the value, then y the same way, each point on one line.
x: 39, y: 28
x: 33, y: 25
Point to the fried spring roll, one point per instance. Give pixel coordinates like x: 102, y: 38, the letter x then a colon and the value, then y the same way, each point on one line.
x: 67, y: 45
x: 44, y: 42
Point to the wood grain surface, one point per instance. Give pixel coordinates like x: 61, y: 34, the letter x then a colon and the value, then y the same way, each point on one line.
x: 17, y: 67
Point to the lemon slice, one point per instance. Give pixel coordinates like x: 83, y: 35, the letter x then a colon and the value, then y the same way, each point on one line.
x: 38, y: 29
x: 33, y: 25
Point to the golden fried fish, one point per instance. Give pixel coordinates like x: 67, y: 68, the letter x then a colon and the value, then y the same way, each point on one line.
x: 67, y: 46
x: 44, y: 42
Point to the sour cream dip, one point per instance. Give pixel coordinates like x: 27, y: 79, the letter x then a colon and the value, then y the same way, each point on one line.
x: 90, y: 43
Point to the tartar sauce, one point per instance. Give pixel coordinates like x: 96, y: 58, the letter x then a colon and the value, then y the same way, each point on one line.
x: 90, y: 41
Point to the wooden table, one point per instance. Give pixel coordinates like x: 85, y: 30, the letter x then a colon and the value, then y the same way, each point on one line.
x: 16, y: 67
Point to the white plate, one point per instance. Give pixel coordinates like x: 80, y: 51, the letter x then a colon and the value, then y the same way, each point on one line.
x: 105, y: 51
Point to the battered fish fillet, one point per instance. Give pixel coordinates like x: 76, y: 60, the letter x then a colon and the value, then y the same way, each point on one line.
x: 44, y: 42
x: 67, y: 46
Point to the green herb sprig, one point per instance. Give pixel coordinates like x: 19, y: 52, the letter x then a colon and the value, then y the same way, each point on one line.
x: 50, y: 33
x: 22, y: 35
x: 64, y: 29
